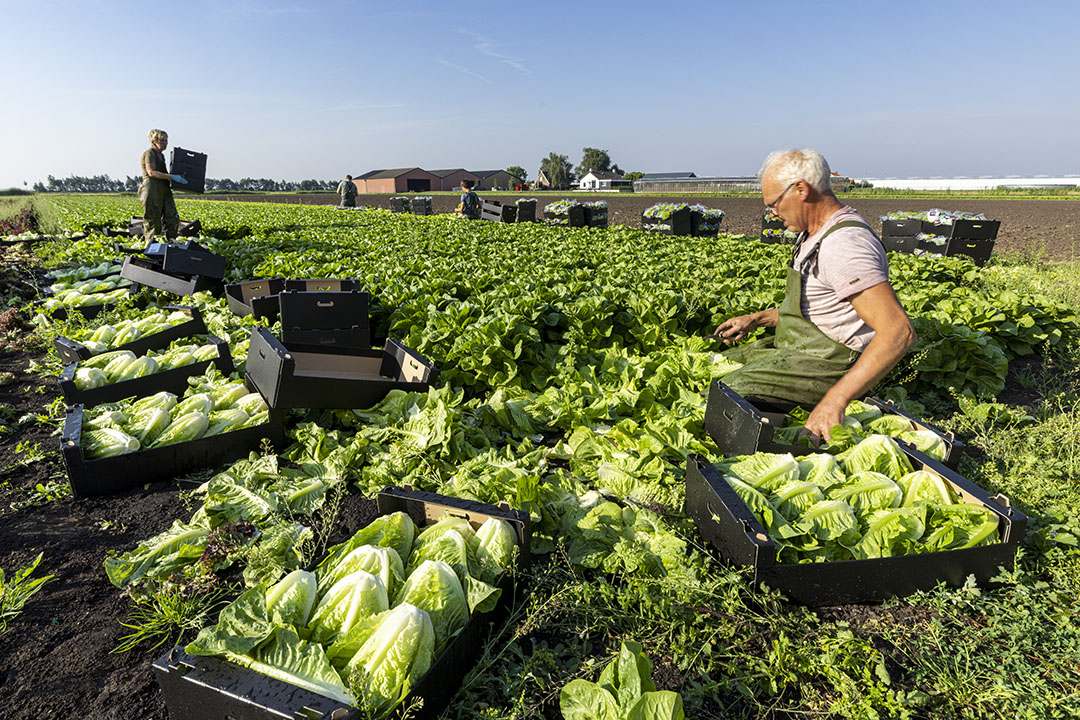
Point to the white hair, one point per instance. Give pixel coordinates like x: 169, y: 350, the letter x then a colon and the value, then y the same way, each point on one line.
x: 804, y: 164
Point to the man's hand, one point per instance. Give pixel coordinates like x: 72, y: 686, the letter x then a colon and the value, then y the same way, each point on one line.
x: 822, y: 419
x: 735, y: 329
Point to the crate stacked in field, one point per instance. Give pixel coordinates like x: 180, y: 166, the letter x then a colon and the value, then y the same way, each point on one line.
x: 526, y: 210
x: 568, y: 213
x: 706, y: 221
x: 940, y: 232
x: 880, y: 519
x: 420, y: 205
x: 325, y: 313
x: 596, y: 213
x: 403, y: 640
x: 86, y: 290
x: 668, y: 219
x: 191, y: 166
x: 179, y: 269
x: 291, y: 376
x: 492, y: 210
x: 258, y: 298
x: 153, y: 331
x: 773, y: 229
x: 400, y: 204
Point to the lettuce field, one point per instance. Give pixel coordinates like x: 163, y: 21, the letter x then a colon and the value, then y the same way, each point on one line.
x: 574, y: 366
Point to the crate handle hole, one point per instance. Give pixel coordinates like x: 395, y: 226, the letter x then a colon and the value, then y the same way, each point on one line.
x: 327, y: 304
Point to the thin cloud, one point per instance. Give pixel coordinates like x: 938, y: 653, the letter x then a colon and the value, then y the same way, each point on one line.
x: 464, y: 70
x: 488, y: 47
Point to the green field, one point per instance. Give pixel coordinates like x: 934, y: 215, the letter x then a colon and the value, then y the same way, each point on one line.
x: 573, y: 362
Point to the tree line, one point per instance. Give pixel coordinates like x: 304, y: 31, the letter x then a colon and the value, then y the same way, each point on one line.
x: 104, y: 183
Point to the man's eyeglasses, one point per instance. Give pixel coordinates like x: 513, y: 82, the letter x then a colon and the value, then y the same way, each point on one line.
x: 774, y: 203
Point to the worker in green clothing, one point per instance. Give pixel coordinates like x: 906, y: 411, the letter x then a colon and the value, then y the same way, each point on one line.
x: 155, y: 194
x: 840, y: 328
x: 347, y: 190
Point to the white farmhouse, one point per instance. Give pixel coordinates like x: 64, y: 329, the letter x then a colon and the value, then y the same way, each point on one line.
x: 602, y: 180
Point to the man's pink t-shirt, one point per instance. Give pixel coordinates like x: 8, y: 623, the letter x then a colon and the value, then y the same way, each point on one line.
x: 849, y: 261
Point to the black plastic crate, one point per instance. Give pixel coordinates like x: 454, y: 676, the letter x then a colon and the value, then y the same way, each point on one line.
x: 926, y: 245
x: 174, y: 380
x: 105, y: 476
x: 258, y: 298
x: 420, y: 205
x: 399, y: 204
x: 680, y: 222
x: 509, y: 213
x: 145, y: 271
x: 190, y: 164
x: 192, y: 259
x: 332, y: 378
x: 208, y: 688
x: 595, y: 217
x: 975, y: 229
x: 723, y: 520
x: 572, y: 217
x: 900, y: 243
x: 526, y: 211
x: 977, y: 250
x: 908, y: 227
x: 71, y: 351
x: 931, y: 228
x: 739, y: 428
x: 92, y: 311
x: 324, y: 285
x: 347, y: 309
x: 319, y: 340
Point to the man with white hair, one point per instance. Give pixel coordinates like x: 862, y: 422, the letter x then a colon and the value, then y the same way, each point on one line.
x: 840, y: 328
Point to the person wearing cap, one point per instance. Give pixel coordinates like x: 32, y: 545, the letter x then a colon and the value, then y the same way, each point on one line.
x: 840, y: 328
x: 469, y: 207
x: 347, y: 190
x: 155, y: 193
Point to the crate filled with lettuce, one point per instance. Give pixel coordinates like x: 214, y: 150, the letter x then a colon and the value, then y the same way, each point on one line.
x: 395, y: 615
x: 668, y: 219
x: 706, y: 220
x: 596, y: 213
x: 738, y: 427
x: 774, y: 230
x: 874, y: 522
x: 567, y: 213
x: 157, y: 328
x: 119, y: 374
x: 88, y: 291
x: 116, y: 446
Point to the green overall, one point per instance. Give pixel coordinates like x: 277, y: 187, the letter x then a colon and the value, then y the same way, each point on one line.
x: 799, y: 363
x: 155, y: 194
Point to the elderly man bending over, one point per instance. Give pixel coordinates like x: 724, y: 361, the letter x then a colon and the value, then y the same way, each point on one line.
x: 840, y: 328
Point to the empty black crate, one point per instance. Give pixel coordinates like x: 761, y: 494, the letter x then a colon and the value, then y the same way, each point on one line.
x: 900, y: 243
x: 739, y: 428
x: 145, y: 271
x: 725, y: 521
x: 977, y: 250
x: 526, y: 211
x: 192, y: 166
x: 208, y: 688
x: 192, y: 259
x: 258, y: 298
x: 324, y: 285
x: 509, y: 213
x: 105, y: 476
x: 71, y: 351
x: 333, y: 378
x: 174, y: 380
x: 908, y: 227
x: 679, y: 222
x: 970, y: 229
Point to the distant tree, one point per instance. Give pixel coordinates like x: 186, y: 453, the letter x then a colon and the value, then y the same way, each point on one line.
x: 518, y: 172
x: 632, y: 176
x: 593, y: 159
x: 558, y: 170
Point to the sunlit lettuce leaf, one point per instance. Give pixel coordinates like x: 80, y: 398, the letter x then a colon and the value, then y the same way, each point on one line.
x: 794, y: 498
x: 927, y: 441
x: 393, y: 658
x: 878, y: 453
x: 435, y: 588
x: 382, y: 562
x: 766, y: 471
x: 866, y: 491
x: 395, y: 531
x: 356, y: 596
x: 291, y: 600
x: 963, y: 525
x: 925, y: 488
x: 890, y: 533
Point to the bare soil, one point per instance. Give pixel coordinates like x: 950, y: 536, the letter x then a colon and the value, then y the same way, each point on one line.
x: 1049, y: 229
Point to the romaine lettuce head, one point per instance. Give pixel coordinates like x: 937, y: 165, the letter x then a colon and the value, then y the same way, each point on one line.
x: 830, y: 521
x: 863, y: 412
x: 304, y: 664
x: 435, y: 588
x: 354, y: 597
x: 963, y: 525
x: 891, y: 532
x: 878, y: 453
x: 891, y: 425
x: 434, y: 531
x: 866, y: 492
x: 382, y: 562
x: 927, y: 441
x: 820, y: 469
x: 393, y: 659
x: 395, y: 531
x: 497, y: 548
x: 766, y: 471
x: 776, y: 525
x: 242, y: 626
x: 290, y: 601
x: 794, y: 498
x: 148, y: 424
x: 449, y: 547
x: 925, y: 488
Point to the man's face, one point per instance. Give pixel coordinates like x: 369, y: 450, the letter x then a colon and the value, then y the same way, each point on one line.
x: 781, y: 198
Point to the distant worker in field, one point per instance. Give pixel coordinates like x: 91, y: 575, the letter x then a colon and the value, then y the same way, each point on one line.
x: 347, y: 190
x: 155, y: 193
x: 469, y: 207
x: 840, y: 328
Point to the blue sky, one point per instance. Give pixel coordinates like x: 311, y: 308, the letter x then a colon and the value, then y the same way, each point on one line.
x: 294, y: 90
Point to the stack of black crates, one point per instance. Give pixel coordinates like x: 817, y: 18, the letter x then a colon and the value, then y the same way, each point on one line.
x: 970, y: 237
